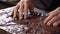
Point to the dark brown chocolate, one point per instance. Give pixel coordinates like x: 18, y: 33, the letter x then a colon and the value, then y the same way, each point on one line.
x: 36, y: 26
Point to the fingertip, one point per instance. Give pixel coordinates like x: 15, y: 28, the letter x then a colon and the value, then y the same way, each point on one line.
x: 14, y: 18
x: 15, y: 13
x: 49, y: 24
x: 20, y: 14
x: 11, y: 12
x: 25, y: 14
x: 55, y: 24
x: 45, y: 22
x: 20, y: 18
x: 25, y: 17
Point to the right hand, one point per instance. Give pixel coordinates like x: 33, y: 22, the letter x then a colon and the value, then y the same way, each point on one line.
x: 23, y: 6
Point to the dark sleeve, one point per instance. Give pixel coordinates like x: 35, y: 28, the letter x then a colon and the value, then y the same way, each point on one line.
x: 47, y: 4
x: 55, y: 4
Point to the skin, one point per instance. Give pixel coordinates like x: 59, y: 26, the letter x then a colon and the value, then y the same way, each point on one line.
x: 23, y: 6
x: 53, y: 17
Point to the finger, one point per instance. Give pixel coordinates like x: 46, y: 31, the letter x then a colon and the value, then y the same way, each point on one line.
x: 56, y: 23
x: 11, y: 13
x: 31, y: 7
x: 21, y: 11
x: 53, y: 19
x: 26, y: 9
x: 51, y: 15
x: 15, y: 10
x: 17, y: 16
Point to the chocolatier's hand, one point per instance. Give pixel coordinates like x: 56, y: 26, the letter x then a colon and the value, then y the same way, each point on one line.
x: 21, y: 7
x: 53, y: 17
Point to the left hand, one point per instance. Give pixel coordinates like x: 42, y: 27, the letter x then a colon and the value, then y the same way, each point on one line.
x: 53, y: 18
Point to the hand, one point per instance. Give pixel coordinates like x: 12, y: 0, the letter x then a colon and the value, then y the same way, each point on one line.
x: 53, y: 18
x: 23, y: 6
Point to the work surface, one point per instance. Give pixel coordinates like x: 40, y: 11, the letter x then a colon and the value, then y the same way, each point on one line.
x: 32, y: 25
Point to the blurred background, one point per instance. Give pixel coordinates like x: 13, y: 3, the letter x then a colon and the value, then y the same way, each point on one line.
x: 8, y: 3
